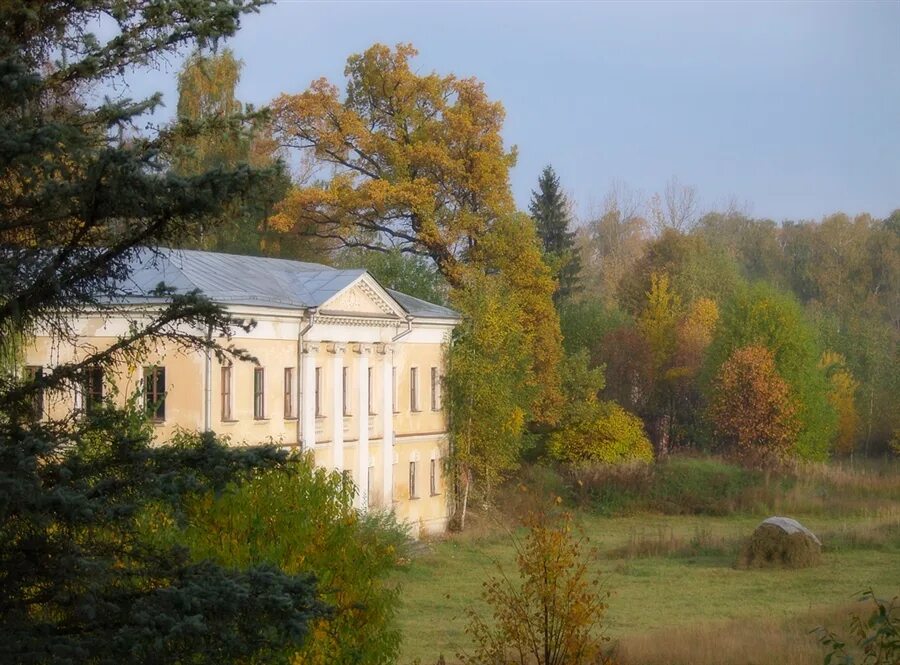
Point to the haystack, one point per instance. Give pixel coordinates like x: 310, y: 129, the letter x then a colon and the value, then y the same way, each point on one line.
x: 781, y: 542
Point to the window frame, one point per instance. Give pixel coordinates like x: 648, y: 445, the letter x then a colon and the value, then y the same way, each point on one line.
x: 35, y: 373
x: 395, y: 389
x: 372, y: 411
x: 317, y: 389
x: 290, y: 399
x: 259, y: 393
x: 226, y: 392
x: 154, y: 398
x: 92, y: 392
x: 434, y: 463
x: 346, y: 400
x: 413, y: 472
x: 414, y: 391
x: 435, y: 390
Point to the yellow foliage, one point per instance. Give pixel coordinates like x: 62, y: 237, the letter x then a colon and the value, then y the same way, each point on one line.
x: 842, y: 397
x: 658, y: 320
x: 417, y: 158
x: 601, y: 432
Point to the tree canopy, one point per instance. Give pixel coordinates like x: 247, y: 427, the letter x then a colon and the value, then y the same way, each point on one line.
x: 78, y: 582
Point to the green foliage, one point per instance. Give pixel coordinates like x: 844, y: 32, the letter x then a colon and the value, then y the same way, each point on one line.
x: 407, y: 273
x: 301, y: 519
x: 762, y: 316
x: 80, y: 584
x: 77, y: 581
x: 876, y: 637
x: 584, y: 324
x: 488, y: 387
x: 600, y: 432
x: 550, y: 211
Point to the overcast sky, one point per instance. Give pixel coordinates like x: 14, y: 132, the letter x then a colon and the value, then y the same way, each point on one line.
x: 790, y: 108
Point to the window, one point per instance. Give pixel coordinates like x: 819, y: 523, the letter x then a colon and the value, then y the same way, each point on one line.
x: 318, y: 391
x: 412, y: 481
x: 434, y: 478
x: 394, y: 399
x: 155, y: 392
x: 371, y: 391
x: 34, y: 374
x: 290, y: 402
x: 435, y: 390
x: 226, y: 393
x: 92, y: 389
x: 345, y: 388
x: 259, y: 393
x: 413, y: 388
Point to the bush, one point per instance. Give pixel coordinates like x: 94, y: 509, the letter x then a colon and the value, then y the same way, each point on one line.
x: 601, y: 432
x: 878, y: 637
x: 302, y: 519
x: 552, y: 613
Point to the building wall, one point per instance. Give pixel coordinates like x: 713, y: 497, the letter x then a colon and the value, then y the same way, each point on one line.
x: 418, y: 436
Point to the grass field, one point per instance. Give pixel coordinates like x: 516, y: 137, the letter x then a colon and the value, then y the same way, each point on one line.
x: 674, y: 594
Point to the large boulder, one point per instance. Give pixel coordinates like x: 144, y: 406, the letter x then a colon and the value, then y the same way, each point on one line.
x: 781, y: 542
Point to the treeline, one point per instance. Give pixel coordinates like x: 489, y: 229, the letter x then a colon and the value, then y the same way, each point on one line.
x: 666, y: 309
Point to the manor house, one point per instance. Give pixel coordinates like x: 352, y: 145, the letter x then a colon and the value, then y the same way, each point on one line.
x: 345, y: 368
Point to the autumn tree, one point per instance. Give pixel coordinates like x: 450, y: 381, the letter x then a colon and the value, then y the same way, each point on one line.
x: 841, y: 395
x: 761, y: 315
x: 752, y: 409
x: 551, y: 612
x: 676, y: 208
x: 549, y: 208
x: 417, y: 161
x: 215, y: 130
x: 489, y: 384
x: 417, y: 165
x: 610, y: 242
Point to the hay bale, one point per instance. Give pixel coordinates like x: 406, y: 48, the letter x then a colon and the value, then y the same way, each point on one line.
x: 781, y: 542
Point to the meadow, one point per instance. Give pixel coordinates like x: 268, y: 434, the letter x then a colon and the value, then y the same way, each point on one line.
x: 665, y: 551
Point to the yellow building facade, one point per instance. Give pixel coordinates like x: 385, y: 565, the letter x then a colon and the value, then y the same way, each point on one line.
x: 344, y: 368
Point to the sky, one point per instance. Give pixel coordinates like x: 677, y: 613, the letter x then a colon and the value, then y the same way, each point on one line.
x: 790, y: 109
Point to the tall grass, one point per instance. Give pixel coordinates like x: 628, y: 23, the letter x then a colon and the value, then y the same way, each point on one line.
x: 736, y: 642
x: 710, y: 486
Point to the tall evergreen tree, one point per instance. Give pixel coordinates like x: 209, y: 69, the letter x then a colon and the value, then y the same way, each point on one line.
x: 550, y: 211
x: 79, y: 583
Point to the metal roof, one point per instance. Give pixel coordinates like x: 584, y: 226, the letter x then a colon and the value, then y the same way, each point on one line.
x: 232, y: 279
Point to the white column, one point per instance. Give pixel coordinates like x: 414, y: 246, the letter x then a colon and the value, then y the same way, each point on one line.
x: 337, y: 407
x: 362, y: 418
x: 308, y: 396
x: 387, y: 415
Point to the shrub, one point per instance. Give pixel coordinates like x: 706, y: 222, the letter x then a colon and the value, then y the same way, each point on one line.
x: 302, y: 519
x: 601, y: 432
x: 878, y: 637
x: 551, y: 615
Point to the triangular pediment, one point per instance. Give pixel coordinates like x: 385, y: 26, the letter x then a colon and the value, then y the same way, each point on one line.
x: 364, y: 297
